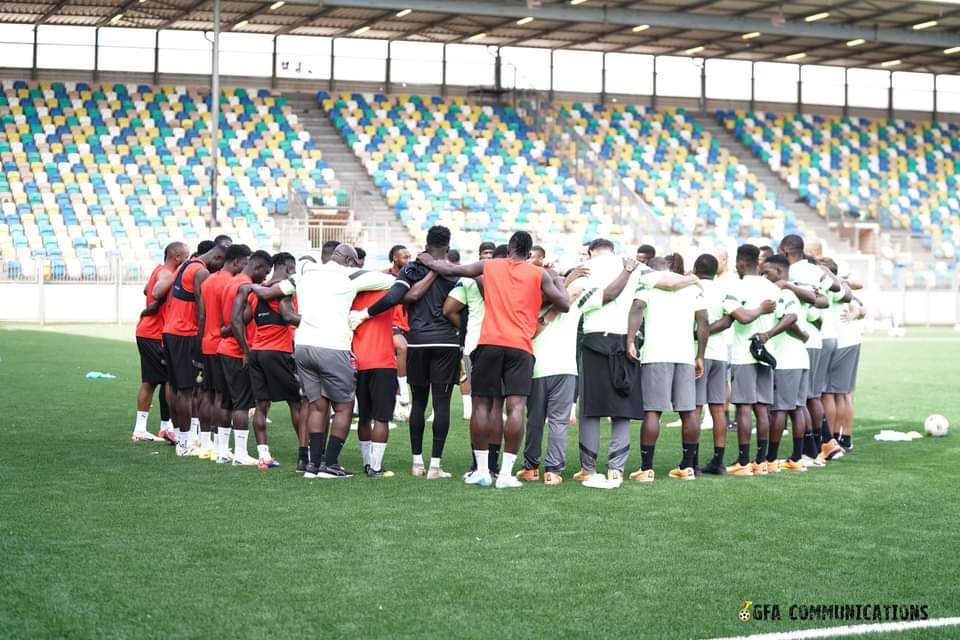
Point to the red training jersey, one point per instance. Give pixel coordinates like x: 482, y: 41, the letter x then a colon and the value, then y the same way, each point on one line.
x: 271, y: 332
x: 511, y: 302
x: 180, y: 312
x: 152, y: 326
x: 212, y: 294
x: 373, y: 340
x: 229, y: 345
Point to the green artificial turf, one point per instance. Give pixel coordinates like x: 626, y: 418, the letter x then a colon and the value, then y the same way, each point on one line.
x: 105, y: 538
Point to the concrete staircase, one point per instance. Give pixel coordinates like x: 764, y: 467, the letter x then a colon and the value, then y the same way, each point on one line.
x: 901, y: 240
x: 369, y: 206
x: 774, y: 183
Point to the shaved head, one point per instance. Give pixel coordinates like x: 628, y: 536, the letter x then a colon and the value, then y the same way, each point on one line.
x: 345, y: 255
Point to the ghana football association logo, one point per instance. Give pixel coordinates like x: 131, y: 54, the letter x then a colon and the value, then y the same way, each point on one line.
x: 744, y: 614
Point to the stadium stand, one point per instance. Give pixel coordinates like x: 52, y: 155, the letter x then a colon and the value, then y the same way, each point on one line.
x: 693, y: 184
x: 97, y: 171
x: 899, y: 173
x: 485, y: 171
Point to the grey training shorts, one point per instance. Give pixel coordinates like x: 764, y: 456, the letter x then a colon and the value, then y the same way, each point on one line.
x: 843, y: 370
x: 788, y: 386
x: 326, y: 373
x: 818, y: 384
x: 751, y: 384
x: 668, y: 385
x: 712, y: 386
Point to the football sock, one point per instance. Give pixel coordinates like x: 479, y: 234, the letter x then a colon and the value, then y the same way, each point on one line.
x: 482, y: 464
x: 646, y: 457
x: 434, y: 463
x: 263, y: 452
x: 467, y: 406
x: 817, y: 438
x: 836, y: 436
x: 797, y: 449
x: 417, y: 421
x: 223, y: 441
x: 761, y: 451
x: 365, y: 452
x: 744, y: 458
x: 377, y: 450
x: 303, y: 454
x: 166, y: 425
x: 689, y: 454
x: 194, y: 428
x: 316, y: 447
x: 441, y: 416
x: 240, y: 442
x: 332, y: 455
x: 846, y: 441
x: 418, y: 459
x: 164, y: 407
x: 809, y: 448
x: 205, y: 439
x: 772, y: 450
x: 182, y: 438
x: 507, y: 467
x: 141, y: 423
x: 825, y: 435
x: 494, y: 458
x: 718, y: 455
x: 404, y: 390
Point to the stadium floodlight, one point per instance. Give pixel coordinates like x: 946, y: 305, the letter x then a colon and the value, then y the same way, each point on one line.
x: 477, y: 36
x: 924, y: 25
x: 951, y: 50
x: 362, y: 30
x: 117, y: 18
x: 241, y: 24
x: 523, y: 21
x: 800, y: 55
x: 890, y: 63
x: 751, y: 35
x: 817, y: 16
x: 640, y: 27
x: 276, y: 5
x: 404, y: 13
x: 575, y: 2
x: 855, y: 43
x: 694, y: 50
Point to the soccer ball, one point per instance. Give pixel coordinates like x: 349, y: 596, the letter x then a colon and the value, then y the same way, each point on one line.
x: 744, y: 615
x: 936, y: 426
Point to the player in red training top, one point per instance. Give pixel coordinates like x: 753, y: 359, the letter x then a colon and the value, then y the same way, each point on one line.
x: 514, y: 290
x: 153, y: 369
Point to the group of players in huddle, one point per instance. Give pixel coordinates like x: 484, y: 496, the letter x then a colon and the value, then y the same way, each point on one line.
x: 228, y: 331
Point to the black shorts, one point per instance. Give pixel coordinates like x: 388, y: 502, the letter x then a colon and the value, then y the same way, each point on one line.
x: 239, y: 394
x: 212, y: 373
x: 273, y: 376
x: 180, y: 352
x: 153, y: 367
x: 377, y: 394
x: 501, y: 371
x: 433, y: 365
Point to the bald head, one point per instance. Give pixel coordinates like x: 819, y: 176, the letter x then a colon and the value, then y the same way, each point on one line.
x: 175, y: 253
x: 345, y: 256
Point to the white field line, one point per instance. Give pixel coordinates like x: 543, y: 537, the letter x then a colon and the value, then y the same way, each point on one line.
x: 850, y: 630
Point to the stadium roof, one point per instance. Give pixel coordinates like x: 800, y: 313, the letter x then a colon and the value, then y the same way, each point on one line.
x: 917, y: 34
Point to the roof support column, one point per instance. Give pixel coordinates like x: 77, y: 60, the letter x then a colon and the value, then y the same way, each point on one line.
x: 443, y: 72
x: 603, y: 76
x: 386, y: 80
x: 653, y: 95
x: 33, y: 68
x: 753, y: 86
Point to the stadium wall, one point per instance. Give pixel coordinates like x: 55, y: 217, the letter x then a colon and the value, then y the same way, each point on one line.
x: 100, y: 302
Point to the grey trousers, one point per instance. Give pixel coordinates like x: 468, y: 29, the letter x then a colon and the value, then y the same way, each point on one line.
x: 618, y: 450
x: 550, y: 400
